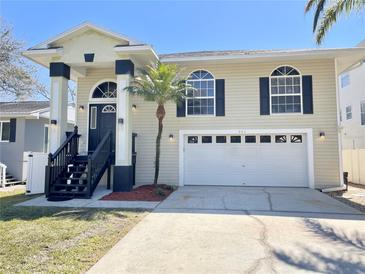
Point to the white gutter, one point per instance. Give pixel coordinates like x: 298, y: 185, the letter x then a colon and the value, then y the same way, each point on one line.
x: 31, y: 52
x: 136, y: 49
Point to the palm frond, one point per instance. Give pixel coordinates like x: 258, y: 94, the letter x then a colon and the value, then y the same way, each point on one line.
x: 319, y: 10
x: 332, y: 13
x: 319, y: 7
x: 159, y: 83
x: 310, y: 4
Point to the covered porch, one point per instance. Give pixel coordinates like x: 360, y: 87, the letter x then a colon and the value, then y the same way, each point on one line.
x: 102, y: 64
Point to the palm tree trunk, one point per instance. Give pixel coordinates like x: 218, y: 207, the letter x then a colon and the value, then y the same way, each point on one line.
x: 160, y: 114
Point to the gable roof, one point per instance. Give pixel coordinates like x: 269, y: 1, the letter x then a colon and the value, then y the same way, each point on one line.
x: 22, y: 107
x: 84, y: 27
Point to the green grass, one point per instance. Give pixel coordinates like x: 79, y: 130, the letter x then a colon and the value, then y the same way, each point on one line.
x: 57, y: 240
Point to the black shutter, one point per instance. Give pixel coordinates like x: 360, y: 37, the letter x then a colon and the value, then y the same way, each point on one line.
x: 12, y: 130
x: 307, y: 94
x: 181, y: 108
x: 264, y: 96
x: 219, y: 97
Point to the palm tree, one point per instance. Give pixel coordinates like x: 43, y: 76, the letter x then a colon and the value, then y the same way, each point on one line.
x: 329, y: 11
x: 160, y: 84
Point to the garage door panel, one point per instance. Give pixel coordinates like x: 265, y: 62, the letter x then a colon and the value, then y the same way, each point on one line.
x: 250, y: 164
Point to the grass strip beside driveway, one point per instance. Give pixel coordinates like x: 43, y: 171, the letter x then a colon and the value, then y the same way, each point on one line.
x: 62, y: 240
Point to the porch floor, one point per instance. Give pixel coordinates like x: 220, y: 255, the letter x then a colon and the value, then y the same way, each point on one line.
x: 94, y: 202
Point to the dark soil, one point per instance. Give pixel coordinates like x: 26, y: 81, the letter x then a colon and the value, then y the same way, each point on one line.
x: 145, y: 193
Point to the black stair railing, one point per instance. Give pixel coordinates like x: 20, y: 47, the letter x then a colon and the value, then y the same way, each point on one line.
x: 98, y: 162
x: 58, y: 162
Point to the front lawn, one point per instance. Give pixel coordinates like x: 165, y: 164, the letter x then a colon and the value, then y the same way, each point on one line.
x: 62, y: 240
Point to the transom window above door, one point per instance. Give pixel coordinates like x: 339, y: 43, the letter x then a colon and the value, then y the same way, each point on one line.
x: 200, y: 98
x: 105, y: 90
x: 286, y: 90
x: 108, y: 109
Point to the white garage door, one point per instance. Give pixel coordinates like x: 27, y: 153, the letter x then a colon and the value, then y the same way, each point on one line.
x: 246, y: 160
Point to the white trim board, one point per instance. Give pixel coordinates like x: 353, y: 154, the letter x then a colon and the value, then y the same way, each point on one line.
x: 307, y: 131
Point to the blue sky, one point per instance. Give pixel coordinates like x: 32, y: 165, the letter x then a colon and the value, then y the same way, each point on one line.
x: 175, y: 26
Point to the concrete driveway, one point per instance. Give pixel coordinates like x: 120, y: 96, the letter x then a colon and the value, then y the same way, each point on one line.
x: 243, y: 230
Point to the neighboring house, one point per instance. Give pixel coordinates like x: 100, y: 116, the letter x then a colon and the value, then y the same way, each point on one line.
x: 258, y: 118
x: 352, y: 99
x: 23, y: 128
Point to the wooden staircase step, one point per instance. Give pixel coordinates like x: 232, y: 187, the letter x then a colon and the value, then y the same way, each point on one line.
x: 73, y: 179
x: 70, y: 192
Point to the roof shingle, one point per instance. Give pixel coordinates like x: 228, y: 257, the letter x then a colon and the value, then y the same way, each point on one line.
x: 22, y: 107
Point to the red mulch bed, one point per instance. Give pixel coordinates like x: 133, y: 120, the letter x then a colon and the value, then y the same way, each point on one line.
x: 147, y: 193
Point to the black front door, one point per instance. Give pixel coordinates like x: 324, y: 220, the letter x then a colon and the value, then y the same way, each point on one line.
x: 102, y: 117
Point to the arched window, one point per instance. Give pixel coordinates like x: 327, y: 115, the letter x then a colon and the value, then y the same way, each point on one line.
x: 286, y: 90
x: 105, y: 90
x: 200, y: 98
x: 108, y: 109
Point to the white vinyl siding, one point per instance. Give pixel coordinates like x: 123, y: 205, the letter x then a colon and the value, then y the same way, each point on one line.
x: 242, y: 105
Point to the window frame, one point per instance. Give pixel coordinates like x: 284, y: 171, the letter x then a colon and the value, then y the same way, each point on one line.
x: 235, y: 136
x: 207, y: 97
x: 247, y: 137
x: 93, y: 100
x: 1, y: 131
x: 207, y: 136
x: 192, y: 136
x: 292, y: 94
x: 264, y: 142
x: 345, y: 80
x: 93, y: 123
x: 220, y: 136
x: 348, y: 112
x: 103, y: 93
x: 277, y: 139
x: 362, y: 113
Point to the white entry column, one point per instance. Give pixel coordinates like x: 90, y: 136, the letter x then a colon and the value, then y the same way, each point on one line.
x: 60, y: 74
x: 123, y: 169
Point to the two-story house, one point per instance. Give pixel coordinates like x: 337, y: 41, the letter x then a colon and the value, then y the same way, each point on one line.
x: 352, y: 100
x: 259, y: 118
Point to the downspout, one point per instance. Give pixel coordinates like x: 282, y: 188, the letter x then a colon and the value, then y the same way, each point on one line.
x: 342, y: 185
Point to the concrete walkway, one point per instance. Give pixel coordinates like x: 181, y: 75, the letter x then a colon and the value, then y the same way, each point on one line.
x: 242, y: 230
x: 94, y: 202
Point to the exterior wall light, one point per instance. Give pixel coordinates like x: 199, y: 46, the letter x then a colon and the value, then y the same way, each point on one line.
x: 134, y: 107
x: 322, y: 136
x: 53, y: 122
x: 171, y: 137
x: 81, y: 107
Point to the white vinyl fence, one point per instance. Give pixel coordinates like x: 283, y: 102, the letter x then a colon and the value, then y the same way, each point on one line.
x: 36, y: 171
x: 354, y: 164
x: 2, y: 175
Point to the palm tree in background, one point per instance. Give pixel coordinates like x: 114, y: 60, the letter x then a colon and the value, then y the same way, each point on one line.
x: 159, y: 84
x: 326, y: 13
